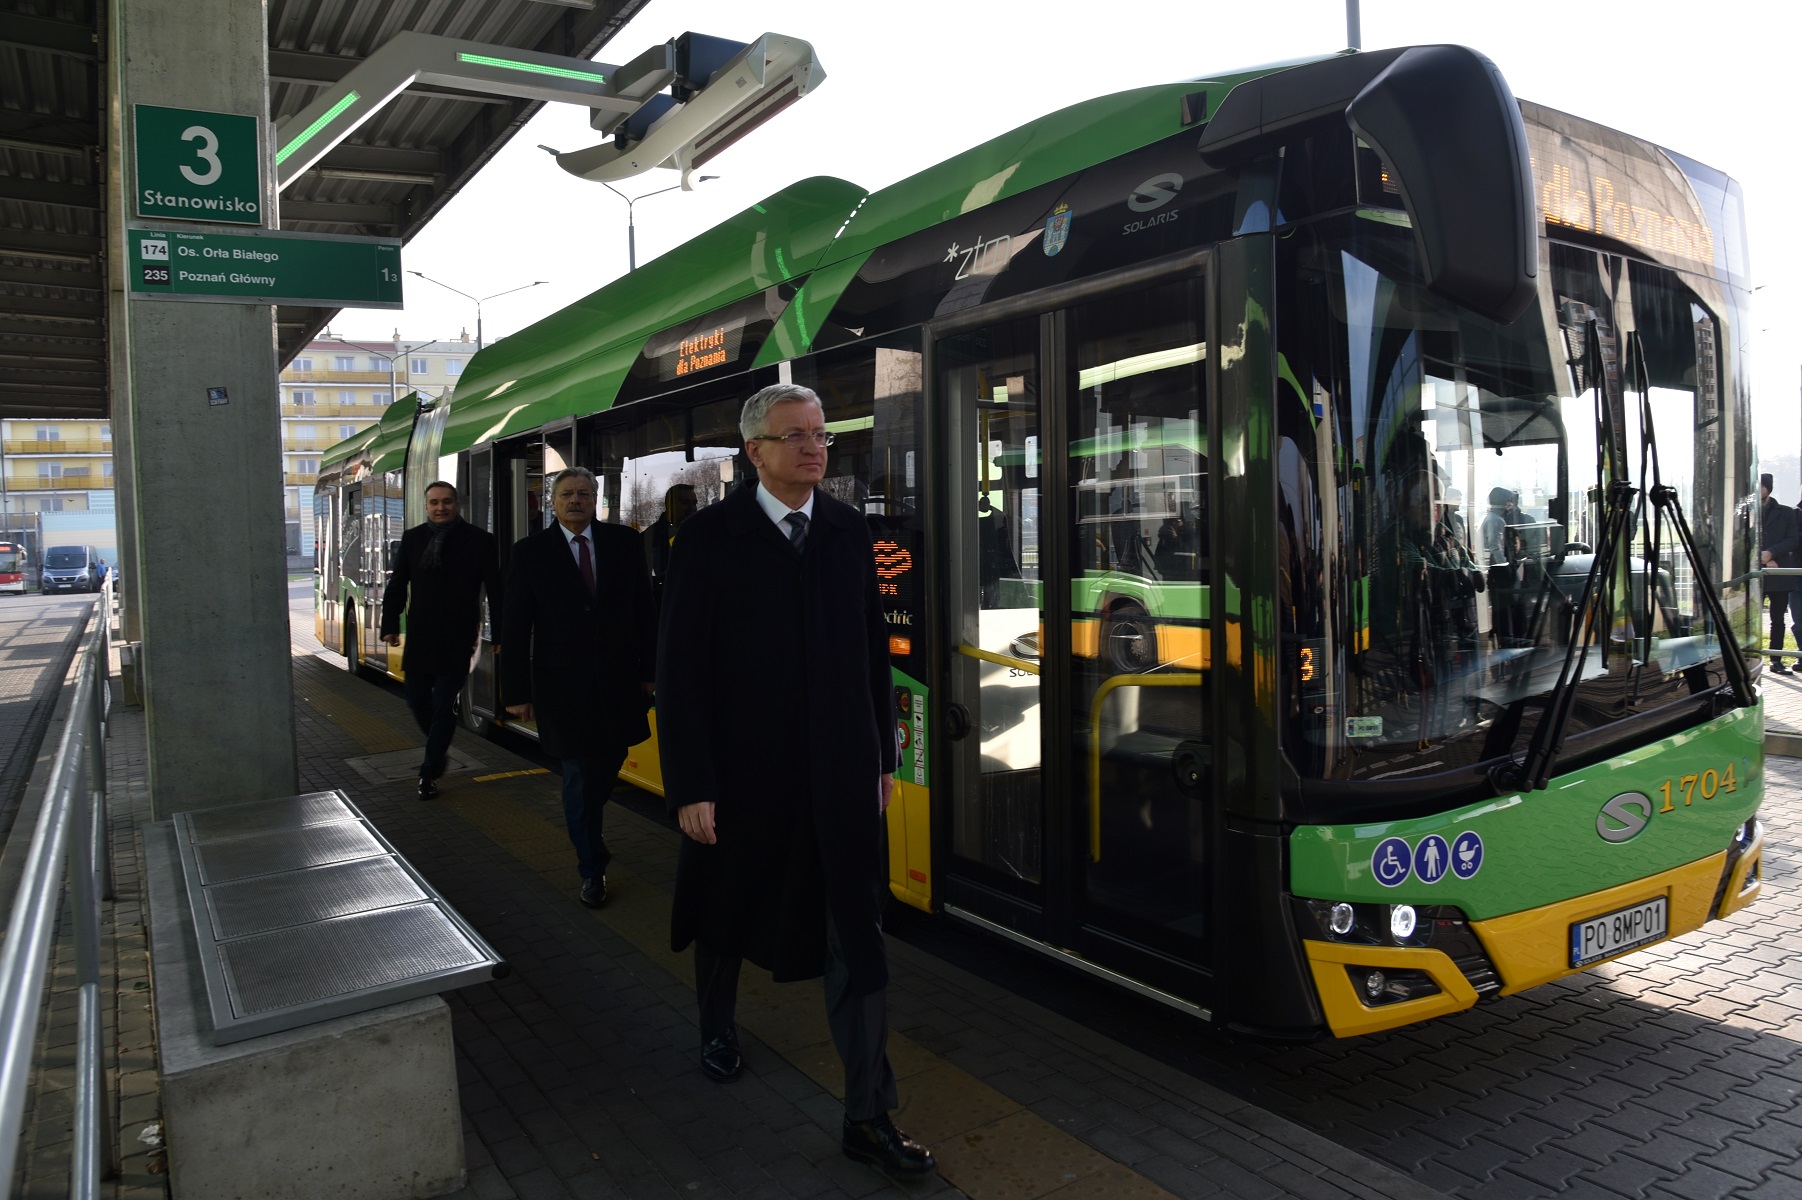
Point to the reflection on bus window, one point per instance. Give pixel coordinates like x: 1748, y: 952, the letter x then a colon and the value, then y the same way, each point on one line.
x: 1469, y: 461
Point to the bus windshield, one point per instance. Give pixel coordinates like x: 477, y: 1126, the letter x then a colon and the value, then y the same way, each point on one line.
x: 9, y: 559
x: 1440, y: 485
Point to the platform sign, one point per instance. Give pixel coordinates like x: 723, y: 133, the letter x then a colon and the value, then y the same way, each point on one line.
x: 266, y: 268
x: 197, y: 166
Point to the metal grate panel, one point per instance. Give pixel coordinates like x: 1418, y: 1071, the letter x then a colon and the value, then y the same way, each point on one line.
x: 290, y: 812
x: 342, y: 957
x: 251, y: 906
x: 303, y: 911
x: 285, y: 850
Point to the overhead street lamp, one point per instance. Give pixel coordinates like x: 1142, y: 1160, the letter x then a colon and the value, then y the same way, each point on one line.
x: 631, y: 229
x: 393, y: 392
x: 478, y: 300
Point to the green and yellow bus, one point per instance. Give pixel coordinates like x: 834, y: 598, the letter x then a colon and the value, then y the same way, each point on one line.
x: 1259, y: 469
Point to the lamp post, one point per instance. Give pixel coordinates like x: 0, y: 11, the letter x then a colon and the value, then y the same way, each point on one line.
x: 392, y: 391
x: 478, y: 300
x: 631, y: 229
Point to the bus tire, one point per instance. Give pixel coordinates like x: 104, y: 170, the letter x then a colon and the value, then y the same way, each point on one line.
x: 1129, y: 640
x: 467, y: 715
x: 353, y: 650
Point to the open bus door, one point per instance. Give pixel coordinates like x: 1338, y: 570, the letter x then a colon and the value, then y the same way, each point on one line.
x: 481, y: 693
x: 1076, y: 624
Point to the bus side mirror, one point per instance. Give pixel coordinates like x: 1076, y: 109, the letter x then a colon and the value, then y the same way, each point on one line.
x: 1445, y: 120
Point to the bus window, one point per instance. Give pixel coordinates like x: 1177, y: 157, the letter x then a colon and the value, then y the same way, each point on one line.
x: 989, y: 388
x: 1139, y: 637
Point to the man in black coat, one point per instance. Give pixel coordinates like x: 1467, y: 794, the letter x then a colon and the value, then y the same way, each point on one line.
x: 777, y: 742
x: 1780, y: 545
x: 577, y: 652
x: 437, y: 580
x: 678, y: 506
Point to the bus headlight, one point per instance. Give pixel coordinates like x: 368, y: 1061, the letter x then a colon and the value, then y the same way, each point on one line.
x: 1341, y: 918
x: 1402, y: 922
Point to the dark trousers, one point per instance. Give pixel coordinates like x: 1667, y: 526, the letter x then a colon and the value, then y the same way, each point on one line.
x: 859, y: 1023
x: 432, y: 695
x: 1780, y: 603
x: 587, y: 783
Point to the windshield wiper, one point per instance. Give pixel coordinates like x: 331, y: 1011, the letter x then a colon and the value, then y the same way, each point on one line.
x: 1534, y: 770
x: 1667, y: 504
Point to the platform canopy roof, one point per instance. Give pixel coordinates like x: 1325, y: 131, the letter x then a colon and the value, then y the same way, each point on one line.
x: 387, y: 180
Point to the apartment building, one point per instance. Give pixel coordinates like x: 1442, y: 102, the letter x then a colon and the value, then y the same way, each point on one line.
x: 56, y: 466
x: 336, y: 388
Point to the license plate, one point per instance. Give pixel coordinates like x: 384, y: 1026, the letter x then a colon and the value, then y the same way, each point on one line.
x: 1618, y: 932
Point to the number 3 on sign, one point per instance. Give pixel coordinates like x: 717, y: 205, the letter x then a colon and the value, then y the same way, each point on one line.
x: 207, y: 153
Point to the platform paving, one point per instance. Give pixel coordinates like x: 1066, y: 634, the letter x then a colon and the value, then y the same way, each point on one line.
x: 1675, y: 1072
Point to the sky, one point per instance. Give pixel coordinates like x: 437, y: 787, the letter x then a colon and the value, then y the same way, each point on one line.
x: 909, y: 85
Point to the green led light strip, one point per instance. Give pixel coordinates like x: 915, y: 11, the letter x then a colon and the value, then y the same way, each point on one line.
x: 307, y: 134
x: 508, y: 64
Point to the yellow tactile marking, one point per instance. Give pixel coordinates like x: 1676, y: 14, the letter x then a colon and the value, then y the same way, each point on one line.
x: 510, y: 774
x: 987, y: 1145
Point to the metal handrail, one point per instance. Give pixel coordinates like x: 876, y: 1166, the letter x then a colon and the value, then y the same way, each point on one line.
x: 71, y: 826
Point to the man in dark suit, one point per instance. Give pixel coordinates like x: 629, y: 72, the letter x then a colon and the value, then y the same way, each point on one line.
x: 777, y: 741
x: 1780, y: 545
x: 577, y: 657
x: 678, y: 506
x: 437, y: 580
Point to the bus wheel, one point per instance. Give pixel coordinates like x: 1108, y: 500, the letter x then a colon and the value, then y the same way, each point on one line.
x: 468, y: 717
x: 1129, y: 640
x: 353, y: 650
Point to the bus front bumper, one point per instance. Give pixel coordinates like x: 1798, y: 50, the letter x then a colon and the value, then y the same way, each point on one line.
x: 1526, y: 948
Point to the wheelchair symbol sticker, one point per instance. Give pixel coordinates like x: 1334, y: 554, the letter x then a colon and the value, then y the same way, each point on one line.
x: 1389, y: 861
x: 1431, y: 858
x: 1467, y: 855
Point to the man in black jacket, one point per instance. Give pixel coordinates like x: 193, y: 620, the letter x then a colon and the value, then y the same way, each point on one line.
x: 1779, y: 545
x: 438, y: 580
x: 777, y: 739
x: 577, y: 655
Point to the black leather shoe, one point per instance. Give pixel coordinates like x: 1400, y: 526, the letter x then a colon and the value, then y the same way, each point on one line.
x: 1780, y: 669
x: 594, y: 891
x: 720, y: 1057
x: 427, y: 789
x: 886, y: 1148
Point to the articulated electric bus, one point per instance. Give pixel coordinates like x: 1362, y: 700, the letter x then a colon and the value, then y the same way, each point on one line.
x: 1265, y: 474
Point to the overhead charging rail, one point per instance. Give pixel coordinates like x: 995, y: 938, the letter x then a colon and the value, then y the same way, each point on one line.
x: 676, y: 105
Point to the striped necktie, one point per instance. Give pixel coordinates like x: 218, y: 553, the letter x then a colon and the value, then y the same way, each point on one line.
x: 797, y: 530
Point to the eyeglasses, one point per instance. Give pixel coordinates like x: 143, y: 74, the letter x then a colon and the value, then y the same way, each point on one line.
x: 794, y: 441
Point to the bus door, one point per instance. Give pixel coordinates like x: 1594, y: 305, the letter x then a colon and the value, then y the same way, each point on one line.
x: 1075, y: 471
x: 989, y: 391
x: 327, y: 619
x: 481, y: 695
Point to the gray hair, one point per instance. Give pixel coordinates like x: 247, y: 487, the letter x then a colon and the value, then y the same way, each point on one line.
x: 577, y: 472
x: 754, y: 420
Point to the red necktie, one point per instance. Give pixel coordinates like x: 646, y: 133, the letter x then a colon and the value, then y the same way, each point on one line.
x: 587, y: 562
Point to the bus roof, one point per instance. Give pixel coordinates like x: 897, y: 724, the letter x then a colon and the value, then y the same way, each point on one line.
x: 574, y: 360
x: 817, y: 233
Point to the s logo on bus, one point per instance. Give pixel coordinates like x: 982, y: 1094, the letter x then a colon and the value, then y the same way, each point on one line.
x: 1155, y: 192
x: 1625, y: 817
